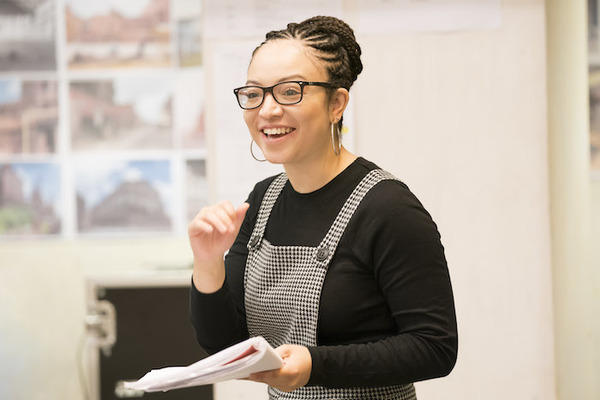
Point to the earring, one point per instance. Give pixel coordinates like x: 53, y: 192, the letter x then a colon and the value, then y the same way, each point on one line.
x: 252, y: 153
x: 335, y: 134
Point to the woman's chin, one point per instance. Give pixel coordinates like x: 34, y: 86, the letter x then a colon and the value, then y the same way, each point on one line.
x: 275, y: 159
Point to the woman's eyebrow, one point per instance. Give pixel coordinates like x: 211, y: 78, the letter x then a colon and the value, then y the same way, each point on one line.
x: 290, y: 77
x: 283, y: 79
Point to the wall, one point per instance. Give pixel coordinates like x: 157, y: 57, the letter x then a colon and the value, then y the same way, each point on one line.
x: 42, y: 306
x: 461, y: 118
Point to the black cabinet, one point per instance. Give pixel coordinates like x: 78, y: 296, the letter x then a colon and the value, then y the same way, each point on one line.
x: 153, y: 330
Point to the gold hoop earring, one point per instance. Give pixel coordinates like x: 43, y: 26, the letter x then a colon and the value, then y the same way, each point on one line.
x: 252, y: 152
x: 335, y: 133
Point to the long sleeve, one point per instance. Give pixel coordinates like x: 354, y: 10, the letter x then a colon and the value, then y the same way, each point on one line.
x: 219, y: 318
x: 403, y: 244
x: 386, y: 311
x: 216, y: 319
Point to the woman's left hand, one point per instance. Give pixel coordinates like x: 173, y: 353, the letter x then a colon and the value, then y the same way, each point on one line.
x: 295, y: 372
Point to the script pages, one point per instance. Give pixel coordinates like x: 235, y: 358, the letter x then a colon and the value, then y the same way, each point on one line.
x: 235, y: 362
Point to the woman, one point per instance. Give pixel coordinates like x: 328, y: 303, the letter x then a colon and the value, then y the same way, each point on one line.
x: 335, y: 261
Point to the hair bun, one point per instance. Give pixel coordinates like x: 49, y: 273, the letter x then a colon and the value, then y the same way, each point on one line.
x: 345, y: 34
x: 333, y: 42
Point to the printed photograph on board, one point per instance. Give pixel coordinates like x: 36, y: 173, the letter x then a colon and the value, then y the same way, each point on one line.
x: 28, y: 117
x: 189, y: 109
x: 27, y: 35
x: 594, y: 81
x: 187, y: 16
x: 594, y: 78
x: 121, y: 196
x: 29, y: 199
x: 124, y: 113
x: 117, y: 33
x: 196, y: 187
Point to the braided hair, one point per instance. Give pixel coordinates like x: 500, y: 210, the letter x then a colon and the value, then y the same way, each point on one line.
x: 332, y: 41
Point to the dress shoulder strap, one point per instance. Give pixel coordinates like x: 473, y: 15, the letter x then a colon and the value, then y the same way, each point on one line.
x: 266, y: 206
x: 328, y: 245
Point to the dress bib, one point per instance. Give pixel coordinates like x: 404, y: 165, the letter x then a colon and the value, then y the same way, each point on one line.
x: 283, y: 290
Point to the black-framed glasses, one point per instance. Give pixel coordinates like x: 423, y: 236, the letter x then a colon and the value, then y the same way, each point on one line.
x: 285, y: 93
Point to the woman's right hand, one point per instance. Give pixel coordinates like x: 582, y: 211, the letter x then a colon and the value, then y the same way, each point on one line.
x: 211, y: 233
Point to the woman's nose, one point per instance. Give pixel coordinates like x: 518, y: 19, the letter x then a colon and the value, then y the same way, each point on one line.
x: 270, y: 107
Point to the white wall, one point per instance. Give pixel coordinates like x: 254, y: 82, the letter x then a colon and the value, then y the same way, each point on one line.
x: 42, y: 306
x: 461, y: 118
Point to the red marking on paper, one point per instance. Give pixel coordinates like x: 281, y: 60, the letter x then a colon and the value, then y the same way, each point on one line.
x: 251, y: 350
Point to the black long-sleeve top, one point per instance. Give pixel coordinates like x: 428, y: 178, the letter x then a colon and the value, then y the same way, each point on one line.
x: 386, y: 311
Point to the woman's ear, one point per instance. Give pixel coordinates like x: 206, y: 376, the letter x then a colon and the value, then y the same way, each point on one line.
x: 338, y: 103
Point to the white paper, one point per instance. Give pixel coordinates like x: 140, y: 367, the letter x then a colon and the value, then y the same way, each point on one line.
x: 254, y: 18
x: 235, y: 362
x: 387, y: 16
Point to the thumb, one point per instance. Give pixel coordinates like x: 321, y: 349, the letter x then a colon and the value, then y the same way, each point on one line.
x: 284, y: 350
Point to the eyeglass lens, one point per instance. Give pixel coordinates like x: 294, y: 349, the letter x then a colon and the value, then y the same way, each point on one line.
x: 284, y: 93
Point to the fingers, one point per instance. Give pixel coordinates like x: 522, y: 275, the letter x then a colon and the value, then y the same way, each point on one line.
x: 222, y: 217
x: 284, y: 350
x: 198, y: 226
x: 264, y: 376
x: 294, y: 373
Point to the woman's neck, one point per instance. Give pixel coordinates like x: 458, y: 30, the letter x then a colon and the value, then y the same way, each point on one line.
x: 307, y: 179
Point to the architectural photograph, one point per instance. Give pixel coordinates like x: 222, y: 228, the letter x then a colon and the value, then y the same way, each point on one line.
x: 28, y: 117
x: 117, y: 34
x: 595, y: 117
x: 29, y: 199
x: 196, y: 187
x: 188, y: 109
x: 27, y: 35
x: 188, y: 17
x: 593, y: 45
x: 122, y: 113
x: 123, y: 196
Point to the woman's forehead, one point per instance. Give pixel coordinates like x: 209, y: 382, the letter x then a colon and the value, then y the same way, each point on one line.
x: 281, y: 58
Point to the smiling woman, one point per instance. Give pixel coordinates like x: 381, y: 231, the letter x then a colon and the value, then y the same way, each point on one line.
x: 313, y: 114
x: 334, y: 261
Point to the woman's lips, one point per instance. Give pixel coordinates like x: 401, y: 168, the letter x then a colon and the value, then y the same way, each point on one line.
x: 274, y: 133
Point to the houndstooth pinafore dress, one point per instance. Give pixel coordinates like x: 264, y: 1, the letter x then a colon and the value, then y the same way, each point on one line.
x: 283, y: 288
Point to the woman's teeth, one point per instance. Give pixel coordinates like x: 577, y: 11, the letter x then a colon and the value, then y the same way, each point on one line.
x: 277, y: 131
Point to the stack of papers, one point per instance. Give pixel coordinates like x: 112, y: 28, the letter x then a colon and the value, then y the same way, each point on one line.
x: 235, y: 362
